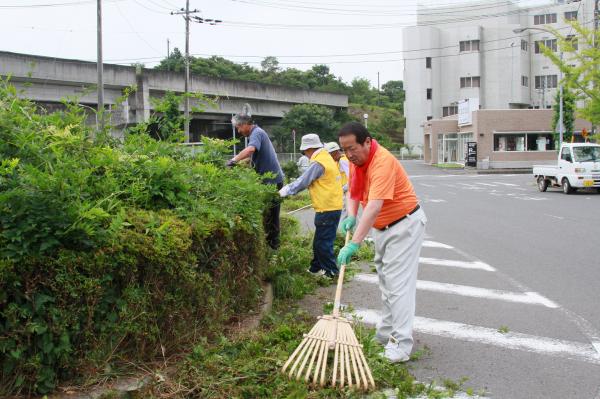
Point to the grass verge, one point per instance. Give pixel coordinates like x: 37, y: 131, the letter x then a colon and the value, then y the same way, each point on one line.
x: 449, y: 165
x: 295, y: 202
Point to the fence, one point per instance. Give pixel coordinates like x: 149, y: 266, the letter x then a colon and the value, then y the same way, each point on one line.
x: 285, y: 157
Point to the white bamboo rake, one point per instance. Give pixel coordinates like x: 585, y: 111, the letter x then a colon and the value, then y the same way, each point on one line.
x: 331, y: 333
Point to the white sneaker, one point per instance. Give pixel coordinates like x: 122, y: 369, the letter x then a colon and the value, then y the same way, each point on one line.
x: 319, y: 273
x: 393, y: 353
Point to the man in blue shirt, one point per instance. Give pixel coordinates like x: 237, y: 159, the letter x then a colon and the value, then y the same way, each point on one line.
x: 264, y: 160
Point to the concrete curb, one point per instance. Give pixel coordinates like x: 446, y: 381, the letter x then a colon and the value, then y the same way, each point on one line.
x: 124, y: 388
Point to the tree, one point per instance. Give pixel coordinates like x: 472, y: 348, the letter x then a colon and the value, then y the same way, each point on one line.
x: 304, y: 119
x: 393, y: 94
x: 579, y: 66
x: 270, y: 65
x: 568, y: 114
x: 391, y: 124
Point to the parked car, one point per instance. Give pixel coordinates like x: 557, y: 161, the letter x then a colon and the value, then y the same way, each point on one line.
x: 578, y: 167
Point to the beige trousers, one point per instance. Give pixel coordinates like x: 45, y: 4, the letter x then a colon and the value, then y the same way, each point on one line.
x: 397, y: 252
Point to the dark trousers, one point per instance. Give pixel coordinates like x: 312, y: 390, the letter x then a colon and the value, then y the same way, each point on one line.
x: 326, y: 224
x: 271, y: 221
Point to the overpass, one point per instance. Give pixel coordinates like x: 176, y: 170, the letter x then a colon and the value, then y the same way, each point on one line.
x: 48, y: 80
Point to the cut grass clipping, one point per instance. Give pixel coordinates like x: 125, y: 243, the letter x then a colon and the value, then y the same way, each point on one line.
x: 248, y: 366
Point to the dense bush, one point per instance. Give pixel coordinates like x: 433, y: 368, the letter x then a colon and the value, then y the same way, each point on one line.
x: 114, y: 250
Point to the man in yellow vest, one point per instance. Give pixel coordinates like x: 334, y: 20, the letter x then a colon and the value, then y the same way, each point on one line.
x: 323, y: 180
x: 344, y: 166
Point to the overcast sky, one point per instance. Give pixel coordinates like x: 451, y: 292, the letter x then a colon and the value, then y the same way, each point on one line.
x: 354, y: 37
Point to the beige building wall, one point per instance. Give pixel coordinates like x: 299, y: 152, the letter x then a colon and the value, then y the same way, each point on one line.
x: 486, y: 124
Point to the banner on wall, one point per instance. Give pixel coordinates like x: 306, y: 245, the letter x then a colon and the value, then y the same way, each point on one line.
x: 465, y: 110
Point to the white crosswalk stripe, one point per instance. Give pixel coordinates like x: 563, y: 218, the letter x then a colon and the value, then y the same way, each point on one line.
x: 531, y: 298
x: 434, y: 244
x: 483, y: 335
x: 457, y: 263
x: 584, y: 351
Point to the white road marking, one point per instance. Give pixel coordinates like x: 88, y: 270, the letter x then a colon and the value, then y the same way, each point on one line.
x: 552, y: 216
x: 507, y: 184
x: 471, y: 186
x: 596, y: 346
x: 530, y: 298
x: 435, y: 244
x: 487, y: 184
x: 426, y: 185
x: 458, y: 263
x: 489, y: 336
x: 435, y: 201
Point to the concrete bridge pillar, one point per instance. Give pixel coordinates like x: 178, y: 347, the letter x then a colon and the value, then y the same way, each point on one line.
x: 142, y: 97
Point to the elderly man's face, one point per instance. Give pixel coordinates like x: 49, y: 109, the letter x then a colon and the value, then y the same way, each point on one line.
x: 244, y: 129
x: 357, y: 153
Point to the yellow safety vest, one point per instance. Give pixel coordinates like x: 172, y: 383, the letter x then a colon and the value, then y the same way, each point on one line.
x: 344, y: 177
x: 326, y: 192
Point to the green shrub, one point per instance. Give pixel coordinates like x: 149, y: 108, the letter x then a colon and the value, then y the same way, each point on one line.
x: 290, y: 170
x: 113, y: 251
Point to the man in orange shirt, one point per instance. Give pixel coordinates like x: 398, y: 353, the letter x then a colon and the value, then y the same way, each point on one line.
x: 391, y: 209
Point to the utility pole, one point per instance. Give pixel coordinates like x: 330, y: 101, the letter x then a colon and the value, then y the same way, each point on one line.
x: 168, y: 48
x: 595, y: 37
x: 186, y: 104
x: 186, y: 16
x: 561, y: 126
x: 100, y: 67
x: 378, y: 93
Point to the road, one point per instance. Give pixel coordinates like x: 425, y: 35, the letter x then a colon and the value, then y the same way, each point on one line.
x: 508, y: 286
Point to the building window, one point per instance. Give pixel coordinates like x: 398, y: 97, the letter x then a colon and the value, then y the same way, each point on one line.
x: 546, y: 82
x: 524, y: 81
x: 573, y: 42
x: 428, y: 62
x: 469, y: 45
x: 469, y: 81
x: 530, y: 142
x: 524, y: 45
x: 429, y: 118
x: 450, y: 110
x: 544, y: 19
x: 429, y: 94
x: 550, y: 43
x: 571, y: 16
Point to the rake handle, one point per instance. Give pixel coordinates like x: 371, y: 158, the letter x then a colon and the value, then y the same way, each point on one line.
x: 340, y: 282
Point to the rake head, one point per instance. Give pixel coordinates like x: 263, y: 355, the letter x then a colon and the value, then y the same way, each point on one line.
x: 331, y: 340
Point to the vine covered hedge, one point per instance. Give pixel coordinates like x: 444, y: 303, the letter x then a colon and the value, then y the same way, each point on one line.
x: 112, y: 251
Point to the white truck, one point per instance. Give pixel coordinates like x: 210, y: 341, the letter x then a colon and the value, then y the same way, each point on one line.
x: 578, y: 167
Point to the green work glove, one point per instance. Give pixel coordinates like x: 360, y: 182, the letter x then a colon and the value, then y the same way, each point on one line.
x: 346, y: 253
x: 348, y: 224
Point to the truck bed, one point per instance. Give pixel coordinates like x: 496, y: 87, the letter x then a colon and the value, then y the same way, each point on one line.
x: 545, y: 170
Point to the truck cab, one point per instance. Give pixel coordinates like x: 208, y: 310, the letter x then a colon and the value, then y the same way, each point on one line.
x: 578, y: 167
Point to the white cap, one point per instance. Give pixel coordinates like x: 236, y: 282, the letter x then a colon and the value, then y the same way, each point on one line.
x: 332, y: 146
x: 310, y: 140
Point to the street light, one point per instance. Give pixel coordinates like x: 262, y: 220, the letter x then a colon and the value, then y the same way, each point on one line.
x: 560, y: 98
x: 366, y: 118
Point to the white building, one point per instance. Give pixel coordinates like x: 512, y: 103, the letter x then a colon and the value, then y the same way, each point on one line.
x: 472, y: 51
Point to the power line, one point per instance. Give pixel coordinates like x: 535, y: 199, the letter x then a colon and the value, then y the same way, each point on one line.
x: 379, y: 13
x: 76, y: 3
x: 134, y: 31
x: 344, y: 55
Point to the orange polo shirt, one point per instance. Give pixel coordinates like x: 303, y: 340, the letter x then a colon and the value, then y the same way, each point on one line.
x: 387, y: 180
